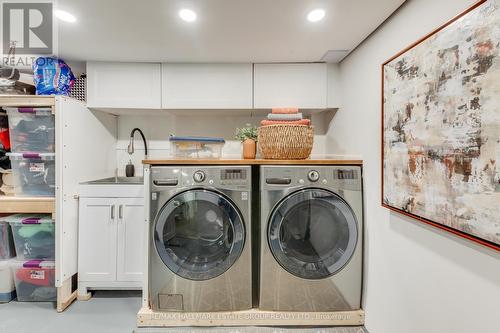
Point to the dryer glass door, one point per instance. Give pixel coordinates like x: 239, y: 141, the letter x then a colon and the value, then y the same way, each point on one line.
x: 199, y: 234
x: 312, y: 233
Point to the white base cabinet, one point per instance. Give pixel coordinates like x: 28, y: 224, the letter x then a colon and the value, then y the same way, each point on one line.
x: 110, y: 243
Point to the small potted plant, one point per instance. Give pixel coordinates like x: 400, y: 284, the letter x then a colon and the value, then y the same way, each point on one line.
x: 248, y: 136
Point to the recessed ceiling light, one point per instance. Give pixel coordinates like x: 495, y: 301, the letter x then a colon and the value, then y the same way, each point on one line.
x: 64, y: 16
x: 187, y: 15
x: 316, y: 15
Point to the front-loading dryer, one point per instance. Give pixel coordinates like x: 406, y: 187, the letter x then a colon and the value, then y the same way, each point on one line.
x: 199, y: 243
x: 311, y: 238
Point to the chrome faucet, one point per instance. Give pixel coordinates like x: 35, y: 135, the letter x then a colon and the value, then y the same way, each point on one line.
x: 129, y: 168
x: 130, y: 148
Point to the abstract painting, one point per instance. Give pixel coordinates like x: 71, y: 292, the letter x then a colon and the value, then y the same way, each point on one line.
x: 441, y: 127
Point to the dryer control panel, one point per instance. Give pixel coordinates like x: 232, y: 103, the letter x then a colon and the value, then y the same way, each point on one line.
x: 348, y: 178
x: 339, y: 177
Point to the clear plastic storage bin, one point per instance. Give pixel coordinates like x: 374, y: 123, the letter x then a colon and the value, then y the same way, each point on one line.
x: 31, y: 129
x: 34, y: 174
x: 7, y: 286
x: 7, y: 250
x: 35, y: 280
x: 196, y: 147
x: 34, y: 236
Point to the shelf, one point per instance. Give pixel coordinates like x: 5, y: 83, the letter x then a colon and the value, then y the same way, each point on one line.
x: 27, y: 100
x: 27, y: 204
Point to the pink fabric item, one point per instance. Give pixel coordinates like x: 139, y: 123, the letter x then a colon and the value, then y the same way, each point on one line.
x: 266, y: 122
x: 285, y: 110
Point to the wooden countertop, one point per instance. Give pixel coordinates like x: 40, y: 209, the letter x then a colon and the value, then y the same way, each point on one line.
x: 173, y: 161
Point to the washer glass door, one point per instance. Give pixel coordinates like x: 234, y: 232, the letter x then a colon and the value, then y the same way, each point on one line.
x: 312, y: 233
x: 199, y: 234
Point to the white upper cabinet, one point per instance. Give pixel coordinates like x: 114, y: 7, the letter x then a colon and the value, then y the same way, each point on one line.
x: 123, y: 85
x: 290, y: 85
x: 206, y: 86
x: 334, y: 86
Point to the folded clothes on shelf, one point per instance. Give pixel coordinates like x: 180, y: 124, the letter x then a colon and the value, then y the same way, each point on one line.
x: 285, y: 110
x: 294, y: 116
x: 265, y: 122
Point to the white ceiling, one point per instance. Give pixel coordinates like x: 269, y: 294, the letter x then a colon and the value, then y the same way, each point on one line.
x: 225, y: 31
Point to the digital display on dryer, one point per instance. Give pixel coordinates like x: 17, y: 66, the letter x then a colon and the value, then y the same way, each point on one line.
x: 346, y: 174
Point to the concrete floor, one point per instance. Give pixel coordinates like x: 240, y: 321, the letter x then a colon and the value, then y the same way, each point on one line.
x: 106, y: 312
x: 109, y: 312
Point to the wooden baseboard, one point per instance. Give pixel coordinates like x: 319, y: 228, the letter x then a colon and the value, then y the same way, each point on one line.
x: 255, y: 317
x: 65, y: 295
x: 85, y: 297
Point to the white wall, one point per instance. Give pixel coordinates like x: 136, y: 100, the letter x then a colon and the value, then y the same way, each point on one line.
x: 157, y: 130
x: 417, y: 278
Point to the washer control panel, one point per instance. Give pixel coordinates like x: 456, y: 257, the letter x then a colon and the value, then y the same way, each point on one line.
x: 233, y: 176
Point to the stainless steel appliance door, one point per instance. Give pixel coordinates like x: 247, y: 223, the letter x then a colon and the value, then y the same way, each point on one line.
x: 199, y: 234
x: 312, y: 233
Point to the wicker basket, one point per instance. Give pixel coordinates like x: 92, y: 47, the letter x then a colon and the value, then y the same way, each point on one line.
x: 285, y: 142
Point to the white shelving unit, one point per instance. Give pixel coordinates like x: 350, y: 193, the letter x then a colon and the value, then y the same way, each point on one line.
x: 80, y: 156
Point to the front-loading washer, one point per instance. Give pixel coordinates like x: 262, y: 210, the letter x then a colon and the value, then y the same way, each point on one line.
x: 311, y: 238
x: 200, y: 238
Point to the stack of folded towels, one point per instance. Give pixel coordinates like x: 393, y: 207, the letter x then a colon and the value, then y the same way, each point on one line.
x: 285, y: 116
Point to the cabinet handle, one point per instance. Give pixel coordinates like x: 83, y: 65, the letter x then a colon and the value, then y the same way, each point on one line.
x: 120, y: 212
x: 112, y: 212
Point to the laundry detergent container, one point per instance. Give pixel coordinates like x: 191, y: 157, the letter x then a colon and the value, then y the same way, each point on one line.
x: 31, y: 129
x: 6, y: 240
x: 7, y: 286
x: 35, y: 280
x: 34, y: 236
x: 33, y: 174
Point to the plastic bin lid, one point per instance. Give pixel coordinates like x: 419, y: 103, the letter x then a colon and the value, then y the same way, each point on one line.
x: 37, y: 263
x: 32, y: 155
x: 30, y: 110
x: 197, y: 139
x: 28, y: 218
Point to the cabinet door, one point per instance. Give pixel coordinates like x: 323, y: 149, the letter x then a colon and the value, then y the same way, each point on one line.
x: 290, y: 85
x: 123, y: 85
x: 207, y: 86
x: 131, y: 247
x: 97, y: 239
